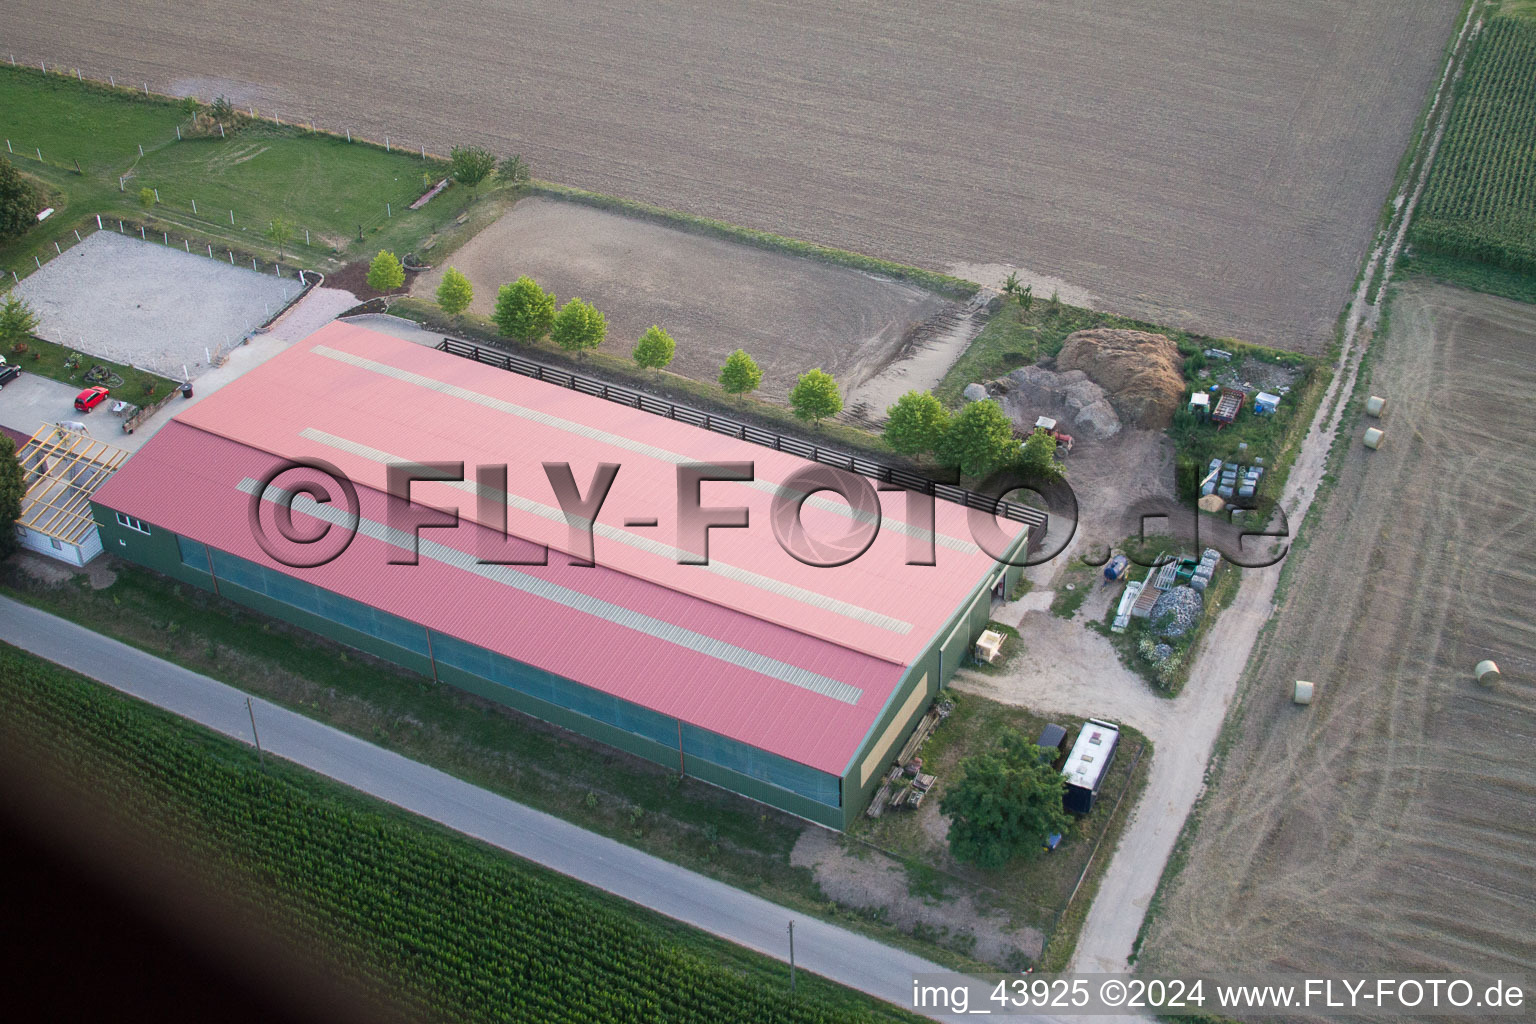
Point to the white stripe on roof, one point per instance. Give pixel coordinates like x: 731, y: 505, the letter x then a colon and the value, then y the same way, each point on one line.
x: 619, y: 441
x: 629, y: 618
x: 813, y: 598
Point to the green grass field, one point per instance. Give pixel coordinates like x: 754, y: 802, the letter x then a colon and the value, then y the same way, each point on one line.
x: 1480, y: 203
x: 56, y: 361
x: 261, y: 172
x: 448, y: 928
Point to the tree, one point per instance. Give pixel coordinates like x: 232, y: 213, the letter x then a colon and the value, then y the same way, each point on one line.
x: 12, y: 488
x: 146, y: 197
x: 979, y: 440
x: 655, y: 349
x: 281, y: 233
x: 578, y: 327
x: 18, y: 321
x: 513, y: 171
x: 1006, y: 803
x: 19, y: 201
x: 524, y: 311
x: 385, y: 273
x: 470, y: 165
x: 1037, y: 458
x: 222, y: 110
x: 189, y: 107
x: 1011, y: 284
x: 815, y: 396
x: 740, y: 374
x: 1026, y: 297
x: 455, y: 293
x: 915, y: 425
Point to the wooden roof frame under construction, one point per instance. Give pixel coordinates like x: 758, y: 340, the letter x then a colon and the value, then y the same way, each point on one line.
x: 57, y: 503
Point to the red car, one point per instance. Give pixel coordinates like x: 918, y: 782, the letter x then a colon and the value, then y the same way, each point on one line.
x: 90, y: 398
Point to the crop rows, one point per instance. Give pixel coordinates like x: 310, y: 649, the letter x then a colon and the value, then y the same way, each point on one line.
x: 451, y: 930
x: 1480, y: 203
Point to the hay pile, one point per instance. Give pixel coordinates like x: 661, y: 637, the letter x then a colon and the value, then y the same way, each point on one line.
x: 1143, y: 373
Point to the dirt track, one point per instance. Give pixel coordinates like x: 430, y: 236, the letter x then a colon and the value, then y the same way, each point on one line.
x: 1392, y: 825
x: 1218, y: 167
x: 714, y: 296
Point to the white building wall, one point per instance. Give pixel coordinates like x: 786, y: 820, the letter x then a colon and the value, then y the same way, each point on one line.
x: 43, y: 544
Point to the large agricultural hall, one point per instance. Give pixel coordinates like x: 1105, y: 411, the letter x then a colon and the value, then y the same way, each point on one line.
x: 790, y: 683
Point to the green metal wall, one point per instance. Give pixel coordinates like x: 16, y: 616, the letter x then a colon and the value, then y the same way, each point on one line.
x: 159, y: 551
x: 975, y: 612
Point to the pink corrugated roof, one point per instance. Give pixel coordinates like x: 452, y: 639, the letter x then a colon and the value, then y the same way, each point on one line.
x: 357, y: 399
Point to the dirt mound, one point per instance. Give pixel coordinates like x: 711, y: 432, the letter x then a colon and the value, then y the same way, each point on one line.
x: 1142, y: 372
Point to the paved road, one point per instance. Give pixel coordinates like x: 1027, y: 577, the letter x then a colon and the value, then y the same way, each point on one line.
x: 825, y: 949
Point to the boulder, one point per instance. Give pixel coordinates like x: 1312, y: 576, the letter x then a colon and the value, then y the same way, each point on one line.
x: 1141, y: 372
x: 1079, y: 395
x: 1081, y: 405
x: 974, y: 392
x: 1096, y: 421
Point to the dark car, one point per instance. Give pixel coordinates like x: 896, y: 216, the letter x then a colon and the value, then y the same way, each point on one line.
x: 1053, y: 739
x: 8, y: 373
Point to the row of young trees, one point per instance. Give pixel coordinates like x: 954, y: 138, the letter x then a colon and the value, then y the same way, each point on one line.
x: 977, y: 441
x: 527, y: 313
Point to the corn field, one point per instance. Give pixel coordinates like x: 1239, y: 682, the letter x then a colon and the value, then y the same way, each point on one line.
x: 451, y: 930
x: 1480, y: 202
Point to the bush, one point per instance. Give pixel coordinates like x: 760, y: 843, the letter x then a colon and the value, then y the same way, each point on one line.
x: 386, y: 273
x: 19, y: 202
x: 916, y: 424
x: 524, y: 311
x: 578, y: 327
x: 455, y: 293
x: 655, y: 349
x: 740, y: 374
x: 979, y: 440
x: 18, y: 322
x: 1005, y: 804
x: 815, y: 396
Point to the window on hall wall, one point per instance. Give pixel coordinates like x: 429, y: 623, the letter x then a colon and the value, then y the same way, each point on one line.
x: 333, y: 607
x: 761, y: 765
x: 192, y: 553
x: 584, y: 700
x: 131, y: 523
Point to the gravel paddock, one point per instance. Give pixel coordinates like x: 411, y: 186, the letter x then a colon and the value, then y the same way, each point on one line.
x: 149, y: 305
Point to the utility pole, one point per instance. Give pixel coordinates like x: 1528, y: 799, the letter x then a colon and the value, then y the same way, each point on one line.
x: 791, y: 944
x: 262, y: 758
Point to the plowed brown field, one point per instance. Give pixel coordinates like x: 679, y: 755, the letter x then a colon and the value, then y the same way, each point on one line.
x: 1214, y: 166
x: 1392, y: 824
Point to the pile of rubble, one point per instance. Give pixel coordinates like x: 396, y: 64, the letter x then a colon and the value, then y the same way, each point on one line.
x: 1081, y: 405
